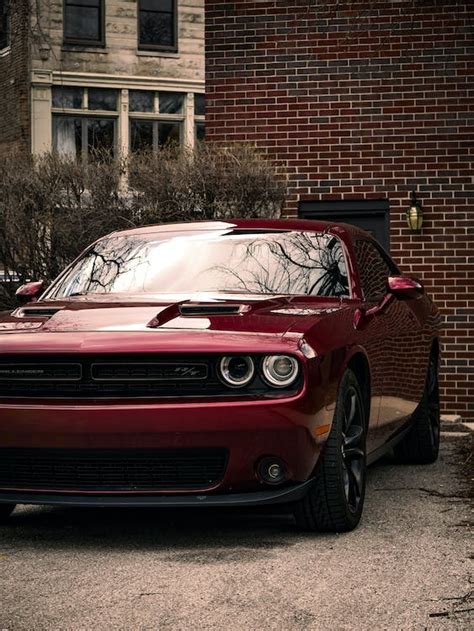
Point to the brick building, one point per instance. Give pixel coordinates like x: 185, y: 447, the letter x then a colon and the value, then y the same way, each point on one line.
x: 82, y: 74
x: 363, y: 102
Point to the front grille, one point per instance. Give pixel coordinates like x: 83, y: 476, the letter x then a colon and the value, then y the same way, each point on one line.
x: 106, y: 376
x: 111, y: 469
x: 120, y: 376
x: 149, y: 371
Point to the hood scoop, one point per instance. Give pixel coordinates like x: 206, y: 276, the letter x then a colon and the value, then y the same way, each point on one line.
x: 37, y: 312
x: 211, y: 309
x: 188, y: 309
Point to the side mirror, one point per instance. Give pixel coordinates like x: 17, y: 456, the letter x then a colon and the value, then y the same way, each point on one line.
x: 30, y: 292
x: 400, y: 287
x: 405, y: 288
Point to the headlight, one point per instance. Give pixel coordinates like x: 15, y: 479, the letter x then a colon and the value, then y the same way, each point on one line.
x: 280, y: 370
x: 236, y: 371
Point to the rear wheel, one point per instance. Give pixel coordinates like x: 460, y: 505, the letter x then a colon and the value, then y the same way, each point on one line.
x: 6, y: 510
x: 334, y: 503
x: 421, y: 444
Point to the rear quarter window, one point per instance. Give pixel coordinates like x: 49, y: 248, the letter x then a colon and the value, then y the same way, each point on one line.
x: 374, y: 270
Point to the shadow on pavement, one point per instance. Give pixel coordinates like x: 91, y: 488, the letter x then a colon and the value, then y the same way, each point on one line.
x: 183, y: 532
x: 191, y: 535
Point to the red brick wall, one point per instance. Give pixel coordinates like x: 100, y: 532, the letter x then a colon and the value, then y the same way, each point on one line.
x: 14, y: 83
x: 365, y: 104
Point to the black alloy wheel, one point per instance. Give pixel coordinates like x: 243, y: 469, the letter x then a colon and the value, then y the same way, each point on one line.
x: 335, y: 501
x: 421, y: 444
x: 353, y: 449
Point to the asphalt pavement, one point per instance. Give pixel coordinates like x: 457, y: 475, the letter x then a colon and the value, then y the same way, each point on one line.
x: 408, y: 565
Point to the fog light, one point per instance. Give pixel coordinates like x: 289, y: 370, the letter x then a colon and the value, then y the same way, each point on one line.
x: 271, y: 470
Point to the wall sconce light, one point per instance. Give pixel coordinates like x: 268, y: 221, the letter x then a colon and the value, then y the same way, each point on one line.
x: 415, y: 215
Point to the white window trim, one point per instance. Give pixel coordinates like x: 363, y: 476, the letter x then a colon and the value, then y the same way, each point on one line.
x: 43, y: 81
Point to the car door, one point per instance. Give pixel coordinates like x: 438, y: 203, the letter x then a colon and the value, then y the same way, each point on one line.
x: 393, y: 339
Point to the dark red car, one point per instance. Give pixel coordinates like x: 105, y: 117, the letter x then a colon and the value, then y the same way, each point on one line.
x: 218, y: 364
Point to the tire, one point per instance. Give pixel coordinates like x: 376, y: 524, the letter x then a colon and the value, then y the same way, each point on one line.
x: 335, y: 501
x: 6, y: 510
x: 421, y: 444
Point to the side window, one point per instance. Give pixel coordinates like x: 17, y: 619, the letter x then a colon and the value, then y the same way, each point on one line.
x: 157, y: 24
x: 336, y: 282
x: 83, y: 22
x: 373, y: 270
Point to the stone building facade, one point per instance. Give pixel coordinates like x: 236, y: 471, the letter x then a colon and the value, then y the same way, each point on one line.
x: 363, y: 102
x: 14, y: 80
x: 80, y: 75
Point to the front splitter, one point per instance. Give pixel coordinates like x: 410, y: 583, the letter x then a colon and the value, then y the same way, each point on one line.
x: 285, y: 495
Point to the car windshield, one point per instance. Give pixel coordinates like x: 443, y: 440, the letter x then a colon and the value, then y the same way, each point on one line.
x: 219, y: 261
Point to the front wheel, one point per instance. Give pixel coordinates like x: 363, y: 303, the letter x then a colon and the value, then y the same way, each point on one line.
x: 334, y: 503
x: 6, y: 510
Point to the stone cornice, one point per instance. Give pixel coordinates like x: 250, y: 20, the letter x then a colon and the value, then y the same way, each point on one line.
x: 48, y: 77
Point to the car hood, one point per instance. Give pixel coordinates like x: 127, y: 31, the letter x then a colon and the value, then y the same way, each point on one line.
x: 184, y: 321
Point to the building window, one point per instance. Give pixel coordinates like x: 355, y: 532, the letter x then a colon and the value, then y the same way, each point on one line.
x: 68, y: 98
x: 84, y: 125
x: 84, y: 22
x: 156, y: 119
x: 4, y: 24
x: 200, y: 132
x: 369, y: 214
x: 157, y: 24
x: 199, y: 112
x: 88, y: 138
x: 153, y: 134
x: 102, y: 99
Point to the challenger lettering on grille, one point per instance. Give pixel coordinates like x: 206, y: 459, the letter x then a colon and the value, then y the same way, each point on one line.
x: 43, y: 372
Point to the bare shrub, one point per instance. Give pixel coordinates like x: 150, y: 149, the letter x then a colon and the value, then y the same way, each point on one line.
x: 52, y: 207
x: 212, y: 182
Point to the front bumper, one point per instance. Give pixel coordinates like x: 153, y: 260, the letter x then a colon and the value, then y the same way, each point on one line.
x: 248, y: 430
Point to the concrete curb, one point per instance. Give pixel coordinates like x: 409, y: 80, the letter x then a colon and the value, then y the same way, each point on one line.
x: 454, y: 423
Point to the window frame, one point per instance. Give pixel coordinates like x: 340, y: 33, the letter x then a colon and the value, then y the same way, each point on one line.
x: 85, y: 118
x: 91, y: 43
x: 155, y: 125
x: 85, y: 114
x: 159, y: 47
x: 156, y: 118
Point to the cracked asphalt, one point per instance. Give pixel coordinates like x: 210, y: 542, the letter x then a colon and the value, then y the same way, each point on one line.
x: 408, y: 566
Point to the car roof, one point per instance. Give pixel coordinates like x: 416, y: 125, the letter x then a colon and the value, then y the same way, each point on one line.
x: 303, y: 225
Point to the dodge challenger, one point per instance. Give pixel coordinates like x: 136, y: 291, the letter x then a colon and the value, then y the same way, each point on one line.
x: 226, y: 363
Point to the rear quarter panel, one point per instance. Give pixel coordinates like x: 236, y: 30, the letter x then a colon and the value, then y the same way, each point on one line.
x: 396, y: 345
